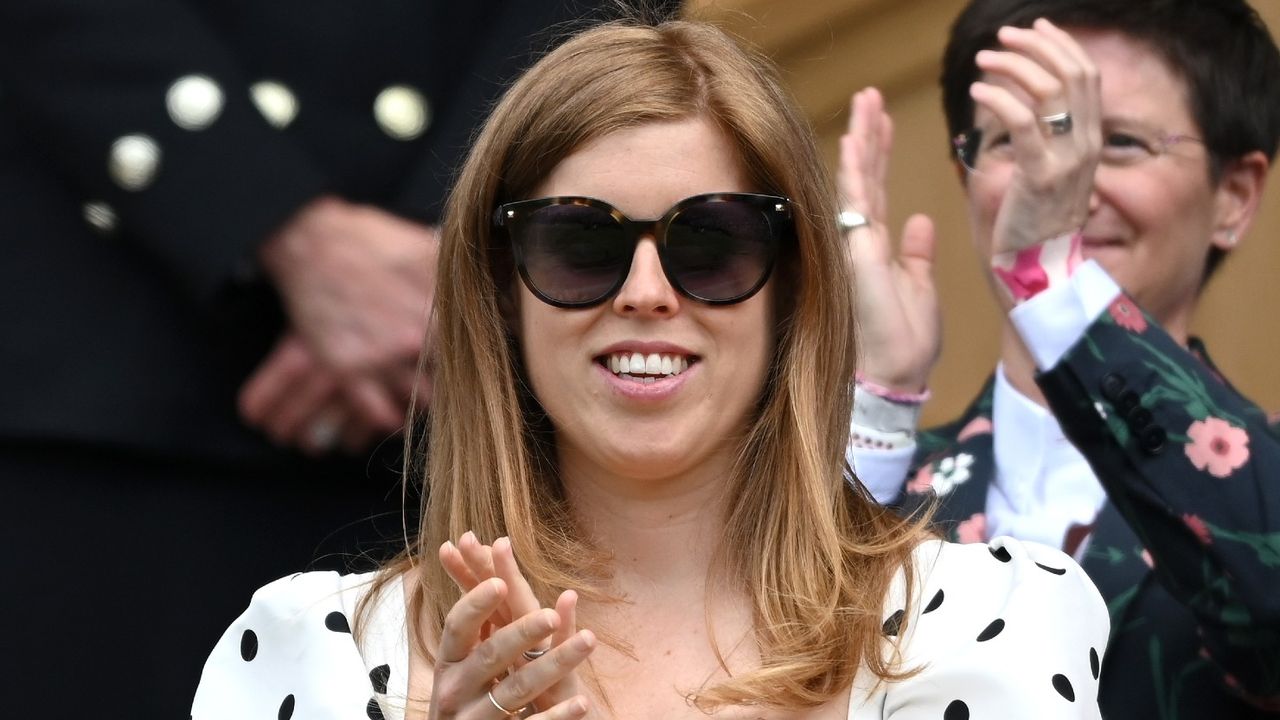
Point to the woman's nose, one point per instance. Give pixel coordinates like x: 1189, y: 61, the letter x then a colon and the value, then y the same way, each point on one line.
x: 646, y: 290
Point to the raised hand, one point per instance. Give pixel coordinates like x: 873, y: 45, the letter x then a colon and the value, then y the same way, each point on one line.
x: 1040, y: 74
x: 898, y: 316
x: 478, y: 677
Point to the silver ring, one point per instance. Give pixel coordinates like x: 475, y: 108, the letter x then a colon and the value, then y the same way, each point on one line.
x: 535, y: 653
x: 848, y: 220
x: 501, y: 709
x: 1058, y: 123
x: 323, y: 433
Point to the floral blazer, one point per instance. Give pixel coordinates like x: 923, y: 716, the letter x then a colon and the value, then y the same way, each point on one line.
x: 1187, y: 549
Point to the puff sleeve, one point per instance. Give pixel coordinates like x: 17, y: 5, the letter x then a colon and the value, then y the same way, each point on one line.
x: 292, y: 654
x: 1006, y: 629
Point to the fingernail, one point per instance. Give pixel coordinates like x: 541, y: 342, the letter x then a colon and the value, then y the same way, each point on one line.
x: 580, y: 705
x: 584, y: 640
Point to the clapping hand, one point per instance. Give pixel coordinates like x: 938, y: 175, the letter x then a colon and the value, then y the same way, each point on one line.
x: 473, y: 565
x: 1044, y: 94
x: 898, y: 316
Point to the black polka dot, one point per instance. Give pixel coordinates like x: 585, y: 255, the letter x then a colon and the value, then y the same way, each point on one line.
x: 935, y: 603
x: 373, y: 710
x: 249, y: 645
x: 1094, y: 665
x: 1054, y: 570
x: 1063, y: 686
x: 378, y: 677
x: 957, y: 710
x: 991, y: 630
x: 286, y: 708
x: 1001, y: 554
x: 892, y: 625
x: 337, y: 622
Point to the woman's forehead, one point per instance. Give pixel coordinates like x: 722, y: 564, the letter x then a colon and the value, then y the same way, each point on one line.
x: 645, y: 169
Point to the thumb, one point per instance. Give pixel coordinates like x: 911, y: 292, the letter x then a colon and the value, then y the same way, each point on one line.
x: 916, y: 253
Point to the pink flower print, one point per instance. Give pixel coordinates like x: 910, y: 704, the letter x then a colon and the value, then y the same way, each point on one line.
x: 1127, y: 315
x: 1027, y: 277
x: 973, y: 530
x: 922, y: 482
x: 1199, y: 527
x: 1217, y: 447
x: 1274, y: 418
x: 977, y: 426
x: 1146, y: 558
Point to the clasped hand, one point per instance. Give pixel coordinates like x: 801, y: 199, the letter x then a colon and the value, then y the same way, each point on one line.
x: 357, y: 285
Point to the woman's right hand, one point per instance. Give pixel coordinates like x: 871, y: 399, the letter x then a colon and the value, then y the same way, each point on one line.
x: 487, y: 677
x: 898, y: 316
x: 471, y: 564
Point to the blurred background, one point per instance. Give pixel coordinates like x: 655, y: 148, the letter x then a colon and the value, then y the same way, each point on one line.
x: 830, y: 48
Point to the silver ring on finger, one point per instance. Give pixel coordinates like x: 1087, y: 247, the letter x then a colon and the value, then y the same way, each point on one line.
x: 848, y: 220
x: 501, y: 709
x: 1058, y: 123
x: 535, y: 653
x: 323, y: 433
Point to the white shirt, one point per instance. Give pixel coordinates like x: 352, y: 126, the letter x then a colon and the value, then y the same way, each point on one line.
x: 1043, y: 485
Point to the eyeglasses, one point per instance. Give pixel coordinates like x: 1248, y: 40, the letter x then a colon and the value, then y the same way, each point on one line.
x: 982, y: 152
x: 575, y: 252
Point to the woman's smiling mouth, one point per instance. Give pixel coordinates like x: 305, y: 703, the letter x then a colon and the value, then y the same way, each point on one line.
x: 646, y: 369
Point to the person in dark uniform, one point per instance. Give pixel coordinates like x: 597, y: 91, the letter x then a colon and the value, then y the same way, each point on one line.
x: 216, y: 261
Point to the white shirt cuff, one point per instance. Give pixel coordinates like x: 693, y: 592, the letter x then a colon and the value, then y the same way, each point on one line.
x: 1054, y: 320
x: 882, y: 471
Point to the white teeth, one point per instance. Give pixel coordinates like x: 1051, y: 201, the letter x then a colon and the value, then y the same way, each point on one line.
x: 633, y: 366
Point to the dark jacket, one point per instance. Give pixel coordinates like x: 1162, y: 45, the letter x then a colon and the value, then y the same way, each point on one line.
x: 131, y: 317
x: 1187, y: 549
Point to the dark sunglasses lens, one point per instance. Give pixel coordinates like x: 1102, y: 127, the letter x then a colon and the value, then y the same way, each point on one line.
x: 573, y: 254
x: 720, y: 250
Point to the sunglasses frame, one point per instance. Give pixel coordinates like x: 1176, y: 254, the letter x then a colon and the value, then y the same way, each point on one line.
x: 776, y: 209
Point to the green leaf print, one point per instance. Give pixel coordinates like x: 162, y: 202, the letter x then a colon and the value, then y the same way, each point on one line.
x: 1267, y: 545
x: 1181, y: 386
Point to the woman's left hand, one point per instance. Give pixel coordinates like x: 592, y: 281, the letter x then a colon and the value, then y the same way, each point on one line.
x: 471, y: 562
x: 1052, y: 182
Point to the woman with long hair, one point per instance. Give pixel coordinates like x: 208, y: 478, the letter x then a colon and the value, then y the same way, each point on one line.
x: 636, y: 498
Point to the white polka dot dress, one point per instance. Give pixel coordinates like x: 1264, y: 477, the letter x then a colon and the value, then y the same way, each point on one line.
x: 292, y: 654
x: 1008, y: 630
